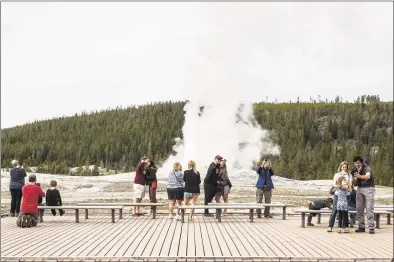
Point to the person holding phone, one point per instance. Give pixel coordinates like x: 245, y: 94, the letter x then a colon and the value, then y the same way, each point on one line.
x: 365, y: 195
x: 264, y: 187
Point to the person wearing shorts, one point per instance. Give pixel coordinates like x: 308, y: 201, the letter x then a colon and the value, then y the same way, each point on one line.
x: 175, y: 189
x: 139, y: 184
x: 224, y: 185
x: 192, y: 180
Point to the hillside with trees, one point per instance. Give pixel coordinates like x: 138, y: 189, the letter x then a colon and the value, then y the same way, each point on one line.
x: 314, y: 137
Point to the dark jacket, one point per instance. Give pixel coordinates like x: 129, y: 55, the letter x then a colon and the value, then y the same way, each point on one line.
x: 319, y: 204
x: 212, y: 174
x: 364, y: 183
x: 52, y: 198
x: 265, y: 178
x: 150, y: 174
x: 17, y: 178
x: 192, y: 181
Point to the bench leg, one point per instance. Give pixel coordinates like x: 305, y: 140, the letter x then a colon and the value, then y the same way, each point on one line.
x: 377, y: 220
x: 154, y: 212
x: 388, y: 219
x: 319, y: 218
x: 302, y: 219
x: 40, y: 216
x: 284, y: 213
x: 219, y: 215
x: 76, y: 215
x: 113, y: 215
x: 251, y: 215
x: 120, y: 213
x: 182, y: 215
x: 86, y: 213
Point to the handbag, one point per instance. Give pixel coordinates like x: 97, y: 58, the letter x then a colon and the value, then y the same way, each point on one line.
x: 332, y: 190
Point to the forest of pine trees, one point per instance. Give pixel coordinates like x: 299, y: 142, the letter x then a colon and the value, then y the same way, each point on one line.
x: 314, y: 137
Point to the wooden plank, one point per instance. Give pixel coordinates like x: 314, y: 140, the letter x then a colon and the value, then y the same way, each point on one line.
x: 184, y: 239
x: 249, y: 246
x: 198, y: 236
x: 134, y: 234
x: 206, y: 242
x: 165, y: 248
x: 160, y: 242
x: 224, y: 234
x: 86, y: 240
x: 215, y: 227
x: 159, y: 234
x: 126, y: 227
x: 238, y: 243
x: 175, y: 239
x: 152, y: 228
x: 190, y: 235
x: 217, y: 252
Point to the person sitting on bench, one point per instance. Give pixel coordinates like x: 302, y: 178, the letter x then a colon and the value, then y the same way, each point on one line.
x: 28, y: 216
x: 53, y: 198
x: 318, y: 204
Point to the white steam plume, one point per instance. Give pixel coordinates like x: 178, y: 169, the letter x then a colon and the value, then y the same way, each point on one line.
x: 219, y: 115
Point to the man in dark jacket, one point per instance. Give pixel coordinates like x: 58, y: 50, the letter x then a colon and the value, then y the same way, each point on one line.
x: 17, y: 181
x: 264, y: 187
x: 151, y: 181
x: 210, y: 182
x: 318, y: 205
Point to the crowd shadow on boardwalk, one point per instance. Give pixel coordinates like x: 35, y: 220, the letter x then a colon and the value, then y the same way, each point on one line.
x: 204, y: 239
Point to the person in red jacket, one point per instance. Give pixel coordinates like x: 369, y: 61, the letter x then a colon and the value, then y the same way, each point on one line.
x: 28, y: 216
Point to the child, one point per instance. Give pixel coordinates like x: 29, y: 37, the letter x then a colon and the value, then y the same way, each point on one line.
x: 318, y: 205
x: 342, y: 205
x: 53, y: 198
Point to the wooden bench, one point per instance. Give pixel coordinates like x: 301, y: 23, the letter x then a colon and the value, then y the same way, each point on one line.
x: 262, y: 205
x: 77, y: 208
x: 377, y: 214
x: 219, y: 209
x: 153, y: 205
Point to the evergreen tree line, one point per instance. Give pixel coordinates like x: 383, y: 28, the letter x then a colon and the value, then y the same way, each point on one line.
x: 314, y: 137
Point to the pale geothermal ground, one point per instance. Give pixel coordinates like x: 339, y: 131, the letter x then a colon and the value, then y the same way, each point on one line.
x: 118, y: 188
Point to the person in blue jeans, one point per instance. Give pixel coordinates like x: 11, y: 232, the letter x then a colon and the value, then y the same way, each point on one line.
x: 343, y: 172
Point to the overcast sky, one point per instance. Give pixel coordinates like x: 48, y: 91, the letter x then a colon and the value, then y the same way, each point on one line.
x: 63, y: 58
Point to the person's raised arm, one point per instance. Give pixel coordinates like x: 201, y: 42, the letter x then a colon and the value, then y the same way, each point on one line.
x: 366, y: 176
x: 41, y: 193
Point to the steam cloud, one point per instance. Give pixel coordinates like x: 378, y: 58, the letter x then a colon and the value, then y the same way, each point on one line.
x: 219, y: 113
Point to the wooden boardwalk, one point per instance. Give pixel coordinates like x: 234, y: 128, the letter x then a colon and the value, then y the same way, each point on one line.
x: 163, y: 239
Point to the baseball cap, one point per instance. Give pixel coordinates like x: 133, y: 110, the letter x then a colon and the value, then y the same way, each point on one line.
x: 218, y: 157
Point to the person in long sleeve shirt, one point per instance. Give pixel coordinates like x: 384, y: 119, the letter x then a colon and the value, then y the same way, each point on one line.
x: 29, y: 209
x: 17, y: 181
x: 264, y: 187
x: 53, y: 198
x: 210, y: 182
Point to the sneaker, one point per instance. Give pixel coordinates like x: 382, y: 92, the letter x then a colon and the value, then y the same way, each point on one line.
x: 372, y: 231
x: 310, y: 224
x: 178, y: 217
x: 329, y: 229
x: 340, y: 231
x: 62, y: 213
x: 170, y: 216
x: 24, y: 221
x: 360, y: 230
x: 269, y: 216
x: 346, y: 230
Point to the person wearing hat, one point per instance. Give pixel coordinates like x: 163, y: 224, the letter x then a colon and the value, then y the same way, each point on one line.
x: 17, y: 181
x: 210, y: 182
x: 29, y: 209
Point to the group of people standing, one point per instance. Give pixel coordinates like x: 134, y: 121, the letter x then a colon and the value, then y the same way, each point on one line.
x: 352, y: 190
x: 184, y: 186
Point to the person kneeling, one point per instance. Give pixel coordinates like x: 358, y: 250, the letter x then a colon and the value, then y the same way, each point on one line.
x: 318, y: 204
x: 28, y: 216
